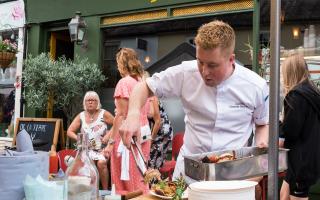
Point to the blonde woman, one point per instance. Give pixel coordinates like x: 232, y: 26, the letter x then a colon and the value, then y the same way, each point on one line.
x: 93, y: 120
x: 125, y: 174
x: 300, y: 128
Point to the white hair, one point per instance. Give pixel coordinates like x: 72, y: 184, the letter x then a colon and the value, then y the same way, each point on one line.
x: 94, y: 95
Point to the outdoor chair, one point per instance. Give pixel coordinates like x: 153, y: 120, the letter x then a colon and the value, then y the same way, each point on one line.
x: 62, y: 154
x: 168, y: 165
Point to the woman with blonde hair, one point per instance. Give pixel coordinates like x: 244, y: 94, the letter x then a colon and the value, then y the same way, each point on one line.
x: 300, y: 128
x: 93, y: 120
x: 125, y: 174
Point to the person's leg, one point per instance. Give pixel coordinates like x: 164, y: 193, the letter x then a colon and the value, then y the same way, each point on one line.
x: 103, y: 173
x: 258, y: 189
x: 285, y: 192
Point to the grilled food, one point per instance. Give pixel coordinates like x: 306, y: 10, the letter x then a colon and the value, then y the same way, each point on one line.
x: 218, y: 159
x: 173, y: 189
x: 151, y: 176
x: 165, y: 188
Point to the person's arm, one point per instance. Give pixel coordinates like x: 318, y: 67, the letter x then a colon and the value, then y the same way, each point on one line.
x: 295, y: 110
x: 108, y: 117
x: 120, y: 115
x: 261, y: 118
x: 74, y: 127
x: 156, y: 117
x: 262, y: 135
x: 131, y: 126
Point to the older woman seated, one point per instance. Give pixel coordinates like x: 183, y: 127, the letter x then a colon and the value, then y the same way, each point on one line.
x: 93, y: 120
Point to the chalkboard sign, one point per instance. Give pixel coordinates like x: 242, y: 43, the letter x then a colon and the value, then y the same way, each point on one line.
x: 44, y: 132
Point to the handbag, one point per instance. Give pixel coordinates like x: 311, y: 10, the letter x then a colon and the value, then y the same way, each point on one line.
x: 145, y: 133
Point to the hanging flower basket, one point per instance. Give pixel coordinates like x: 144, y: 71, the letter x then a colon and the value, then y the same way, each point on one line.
x: 6, y: 58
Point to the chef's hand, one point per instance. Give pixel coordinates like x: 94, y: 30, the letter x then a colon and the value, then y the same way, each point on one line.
x: 130, y: 127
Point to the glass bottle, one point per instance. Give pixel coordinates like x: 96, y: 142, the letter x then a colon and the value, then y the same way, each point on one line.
x: 82, y: 175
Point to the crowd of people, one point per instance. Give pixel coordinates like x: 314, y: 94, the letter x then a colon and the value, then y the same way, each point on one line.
x: 224, y: 103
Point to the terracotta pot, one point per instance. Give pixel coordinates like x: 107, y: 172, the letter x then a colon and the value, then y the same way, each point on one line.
x: 6, y: 58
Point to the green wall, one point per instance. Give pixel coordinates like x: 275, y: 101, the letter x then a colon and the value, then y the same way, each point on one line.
x: 93, y: 36
x: 35, y: 39
x: 51, y: 10
x: 35, y: 45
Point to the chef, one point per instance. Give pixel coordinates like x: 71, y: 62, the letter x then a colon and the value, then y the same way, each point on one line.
x: 223, y: 101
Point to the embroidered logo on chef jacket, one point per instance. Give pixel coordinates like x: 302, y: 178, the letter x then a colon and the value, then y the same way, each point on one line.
x: 238, y: 106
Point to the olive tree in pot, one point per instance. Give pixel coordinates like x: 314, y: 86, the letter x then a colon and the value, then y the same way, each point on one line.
x: 61, y: 83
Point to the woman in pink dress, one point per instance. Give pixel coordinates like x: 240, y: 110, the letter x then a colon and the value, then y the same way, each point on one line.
x: 124, y: 172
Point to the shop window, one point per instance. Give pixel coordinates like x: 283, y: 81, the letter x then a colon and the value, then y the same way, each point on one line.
x: 109, y: 64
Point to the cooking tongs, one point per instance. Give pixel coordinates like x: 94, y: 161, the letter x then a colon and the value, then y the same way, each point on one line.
x: 150, y: 176
x: 142, y: 168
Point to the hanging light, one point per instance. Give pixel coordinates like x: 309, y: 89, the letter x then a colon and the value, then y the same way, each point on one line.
x: 282, y: 16
x: 296, y: 32
x: 147, y: 59
x: 77, y: 28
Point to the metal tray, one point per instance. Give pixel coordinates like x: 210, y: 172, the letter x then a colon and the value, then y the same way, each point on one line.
x: 250, y: 162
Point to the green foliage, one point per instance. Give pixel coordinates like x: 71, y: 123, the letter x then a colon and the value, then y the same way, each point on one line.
x: 180, y: 187
x: 65, y: 80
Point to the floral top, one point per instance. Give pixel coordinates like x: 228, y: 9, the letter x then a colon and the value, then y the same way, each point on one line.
x: 95, y: 130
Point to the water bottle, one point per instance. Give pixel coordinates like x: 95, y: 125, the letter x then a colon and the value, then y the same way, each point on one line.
x: 82, y: 175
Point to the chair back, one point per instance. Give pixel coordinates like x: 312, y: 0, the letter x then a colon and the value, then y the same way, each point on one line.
x: 177, y: 142
x: 63, y: 153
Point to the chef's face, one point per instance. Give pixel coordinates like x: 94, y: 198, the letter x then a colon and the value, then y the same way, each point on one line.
x: 215, y: 65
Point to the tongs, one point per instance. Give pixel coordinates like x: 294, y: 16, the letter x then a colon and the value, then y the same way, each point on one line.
x: 143, y: 168
x: 154, y: 175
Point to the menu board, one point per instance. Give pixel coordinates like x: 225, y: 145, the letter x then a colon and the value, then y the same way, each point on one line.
x: 44, y: 132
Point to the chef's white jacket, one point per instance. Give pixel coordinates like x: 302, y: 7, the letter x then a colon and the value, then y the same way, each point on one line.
x: 216, y: 118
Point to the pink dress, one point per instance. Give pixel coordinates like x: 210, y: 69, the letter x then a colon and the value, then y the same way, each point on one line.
x: 123, y: 90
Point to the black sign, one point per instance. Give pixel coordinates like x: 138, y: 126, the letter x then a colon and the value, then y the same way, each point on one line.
x: 44, y: 132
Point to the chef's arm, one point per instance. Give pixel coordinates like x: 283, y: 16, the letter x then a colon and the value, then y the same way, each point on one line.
x: 131, y: 126
x: 139, y: 97
x: 262, y: 135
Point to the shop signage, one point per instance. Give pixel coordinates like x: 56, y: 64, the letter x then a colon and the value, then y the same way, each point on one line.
x: 12, y: 15
x: 44, y: 132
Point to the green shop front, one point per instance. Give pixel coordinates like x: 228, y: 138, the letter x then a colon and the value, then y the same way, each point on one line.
x: 153, y: 28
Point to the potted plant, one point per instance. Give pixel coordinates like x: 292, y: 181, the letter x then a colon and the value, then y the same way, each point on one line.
x: 61, y: 83
x: 8, y: 51
x: 263, y: 58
